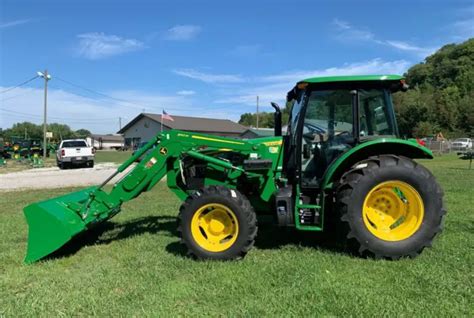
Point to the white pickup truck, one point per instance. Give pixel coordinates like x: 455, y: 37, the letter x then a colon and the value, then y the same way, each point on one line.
x: 74, y: 152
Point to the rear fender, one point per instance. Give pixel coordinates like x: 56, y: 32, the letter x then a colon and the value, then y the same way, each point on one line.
x: 399, y: 147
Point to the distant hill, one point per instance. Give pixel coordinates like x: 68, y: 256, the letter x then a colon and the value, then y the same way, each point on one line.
x: 441, y: 97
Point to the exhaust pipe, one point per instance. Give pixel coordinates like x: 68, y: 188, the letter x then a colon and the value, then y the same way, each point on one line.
x: 277, y: 118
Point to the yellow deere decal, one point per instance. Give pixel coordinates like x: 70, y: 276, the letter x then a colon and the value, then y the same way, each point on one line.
x: 273, y: 143
x: 273, y: 149
x: 218, y: 140
x: 163, y: 151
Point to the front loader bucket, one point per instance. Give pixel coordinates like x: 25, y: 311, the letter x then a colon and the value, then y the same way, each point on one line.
x: 53, y: 223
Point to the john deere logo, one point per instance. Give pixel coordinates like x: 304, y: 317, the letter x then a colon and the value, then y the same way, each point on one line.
x: 163, y: 151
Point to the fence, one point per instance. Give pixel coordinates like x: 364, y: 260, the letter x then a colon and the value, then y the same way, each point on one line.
x: 443, y: 147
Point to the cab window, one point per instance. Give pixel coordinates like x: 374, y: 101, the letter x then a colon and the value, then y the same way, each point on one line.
x: 375, y: 113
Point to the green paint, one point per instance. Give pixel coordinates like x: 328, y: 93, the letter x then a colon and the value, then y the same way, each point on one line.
x: 353, y: 78
x: 298, y: 206
x: 416, y: 151
x: 400, y: 194
x: 54, y: 222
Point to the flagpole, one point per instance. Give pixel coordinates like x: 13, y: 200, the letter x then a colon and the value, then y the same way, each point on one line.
x: 161, y: 120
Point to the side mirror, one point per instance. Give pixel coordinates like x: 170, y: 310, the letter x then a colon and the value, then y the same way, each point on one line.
x: 277, y: 118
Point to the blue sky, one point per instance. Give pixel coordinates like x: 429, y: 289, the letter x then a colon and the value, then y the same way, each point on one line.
x: 202, y: 58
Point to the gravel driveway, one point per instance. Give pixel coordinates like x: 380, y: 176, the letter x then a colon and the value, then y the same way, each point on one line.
x: 55, y: 178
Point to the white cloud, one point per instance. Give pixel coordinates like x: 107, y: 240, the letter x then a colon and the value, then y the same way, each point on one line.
x: 274, y: 87
x: 99, y: 45
x: 186, y: 92
x: 9, y: 24
x: 99, y: 115
x: 374, y: 66
x: 348, y: 32
x: 404, y: 46
x: 182, y: 32
x: 209, y: 78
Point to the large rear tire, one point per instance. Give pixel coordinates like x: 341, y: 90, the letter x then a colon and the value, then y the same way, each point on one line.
x: 390, y: 207
x: 217, y: 223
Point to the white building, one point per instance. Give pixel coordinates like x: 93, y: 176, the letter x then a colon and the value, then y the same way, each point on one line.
x: 145, y: 126
x: 106, y: 142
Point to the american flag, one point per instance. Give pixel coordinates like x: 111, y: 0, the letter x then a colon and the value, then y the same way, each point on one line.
x: 165, y: 115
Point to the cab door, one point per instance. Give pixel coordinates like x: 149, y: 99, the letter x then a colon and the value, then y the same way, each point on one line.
x: 327, y: 132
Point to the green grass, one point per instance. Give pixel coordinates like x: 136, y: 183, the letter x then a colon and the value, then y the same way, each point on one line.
x: 20, y: 165
x: 101, y: 156
x: 137, y: 267
x: 112, y: 156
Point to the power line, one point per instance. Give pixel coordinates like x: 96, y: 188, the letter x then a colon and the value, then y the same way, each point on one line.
x: 101, y: 94
x: 131, y: 104
x: 60, y: 118
x: 23, y: 93
x: 19, y: 85
x: 31, y: 118
x: 121, y: 100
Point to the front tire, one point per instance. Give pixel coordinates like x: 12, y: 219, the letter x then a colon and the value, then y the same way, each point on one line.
x: 217, y: 223
x: 390, y: 207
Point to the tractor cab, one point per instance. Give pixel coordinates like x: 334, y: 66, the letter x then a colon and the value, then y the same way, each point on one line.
x: 340, y: 161
x: 331, y: 115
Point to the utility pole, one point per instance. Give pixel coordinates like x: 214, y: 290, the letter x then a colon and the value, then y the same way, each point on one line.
x: 257, y: 111
x: 46, y: 77
x: 120, y: 123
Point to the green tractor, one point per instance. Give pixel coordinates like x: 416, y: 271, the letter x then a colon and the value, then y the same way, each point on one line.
x: 340, y: 167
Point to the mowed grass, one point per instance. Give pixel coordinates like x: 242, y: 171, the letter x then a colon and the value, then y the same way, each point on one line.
x: 136, y: 267
x: 100, y: 157
x: 14, y: 165
x: 112, y: 156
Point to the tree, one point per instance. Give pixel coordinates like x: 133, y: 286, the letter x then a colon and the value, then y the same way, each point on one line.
x: 82, y: 133
x: 61, y: 131
x: 23, y: 129
x: 33, y: 131
x: 441, y: 94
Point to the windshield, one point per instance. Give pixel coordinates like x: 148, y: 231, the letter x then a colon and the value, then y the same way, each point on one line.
x: 74, y: 144
x: 329, y: 113
x: 462, y: 140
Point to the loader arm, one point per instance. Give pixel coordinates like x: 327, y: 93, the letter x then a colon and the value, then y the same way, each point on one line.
x: 161, y: 156
x: 54, y: 222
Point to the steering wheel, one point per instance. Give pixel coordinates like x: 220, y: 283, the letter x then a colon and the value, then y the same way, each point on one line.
x: 312, y: 132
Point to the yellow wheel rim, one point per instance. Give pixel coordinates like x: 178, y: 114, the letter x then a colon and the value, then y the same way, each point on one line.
x: 393, y: 211
x: 214, y: 227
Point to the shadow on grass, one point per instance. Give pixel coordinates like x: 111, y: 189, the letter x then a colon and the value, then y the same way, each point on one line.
x: 108, y: 232
x: 269, y: 236
x: 459, y: 168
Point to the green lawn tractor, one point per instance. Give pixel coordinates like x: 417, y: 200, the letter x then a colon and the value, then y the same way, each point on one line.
x: 339, y: 167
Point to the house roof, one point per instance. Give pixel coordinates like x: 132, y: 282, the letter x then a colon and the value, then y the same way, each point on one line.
x: 197, y: 124
x: 116, y: 138
x: 262, y: 132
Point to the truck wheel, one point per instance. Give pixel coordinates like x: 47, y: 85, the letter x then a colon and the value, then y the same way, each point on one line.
x: 90, y: 164
x: 217, y: 223
x: 390, y: 207
x: 61, y: 165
